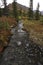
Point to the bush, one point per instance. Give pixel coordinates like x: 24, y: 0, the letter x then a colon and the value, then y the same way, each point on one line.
x: 1, y: 25
x: 41, y: 21
x: 4, y: 25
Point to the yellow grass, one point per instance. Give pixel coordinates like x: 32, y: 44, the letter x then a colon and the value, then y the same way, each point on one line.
x: 35, y: 29
x: 5, y: 33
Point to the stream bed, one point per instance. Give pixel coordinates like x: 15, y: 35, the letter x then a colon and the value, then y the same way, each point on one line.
x: 21, y: 50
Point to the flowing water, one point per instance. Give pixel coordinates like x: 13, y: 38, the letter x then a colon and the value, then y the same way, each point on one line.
x: 21, y: 50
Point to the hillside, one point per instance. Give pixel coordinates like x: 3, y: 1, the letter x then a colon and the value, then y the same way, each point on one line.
x: 19, y: 6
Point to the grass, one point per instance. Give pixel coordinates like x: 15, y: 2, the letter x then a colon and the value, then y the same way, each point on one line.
x: 35, y: 29
x: 5, y: 24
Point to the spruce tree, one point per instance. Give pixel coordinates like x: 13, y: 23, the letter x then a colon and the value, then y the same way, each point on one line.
x: 30, y: 10
x: 5, y: 10
x: 20, y: 12
x: 37, y: 15
x: 15, y: 12
x: 0, y: 12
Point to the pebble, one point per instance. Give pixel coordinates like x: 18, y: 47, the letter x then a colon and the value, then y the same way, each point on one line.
x: 22, y: 51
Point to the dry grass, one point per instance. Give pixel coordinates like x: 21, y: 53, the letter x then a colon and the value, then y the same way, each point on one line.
x: 10, y: 20
x: 5, y: 33
x: 35, y: 29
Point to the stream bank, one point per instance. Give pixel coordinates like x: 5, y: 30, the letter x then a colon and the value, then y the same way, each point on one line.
x: 21, y: 50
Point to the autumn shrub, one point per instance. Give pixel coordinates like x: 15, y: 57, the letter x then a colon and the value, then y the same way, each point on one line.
x: 41, y: 20
x: 4, y: 25
x: 5, y: 32
x: 1, y: 25
x: 6, y: 22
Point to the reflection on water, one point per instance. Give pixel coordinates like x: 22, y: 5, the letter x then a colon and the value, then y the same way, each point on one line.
x: 18, y: 28
x: 18, y: 33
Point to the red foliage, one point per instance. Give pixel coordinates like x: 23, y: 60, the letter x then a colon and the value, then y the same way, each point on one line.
x: 1, y: 49
x: 10, y: 20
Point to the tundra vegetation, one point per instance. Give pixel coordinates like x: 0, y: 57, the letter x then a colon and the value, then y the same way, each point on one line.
x: 32, y: 20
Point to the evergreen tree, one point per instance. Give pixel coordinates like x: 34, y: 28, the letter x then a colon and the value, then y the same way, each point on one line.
x: 30, y: 11
x: 5, y: 10
x: 37, y: 15
x: 0, y: 12
x: 20, y: 12
x: 15, y: 12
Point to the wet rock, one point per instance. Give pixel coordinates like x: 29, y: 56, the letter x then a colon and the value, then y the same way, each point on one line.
x: 22, y: 51
x: 39, y: 63
x: 19, y: 43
